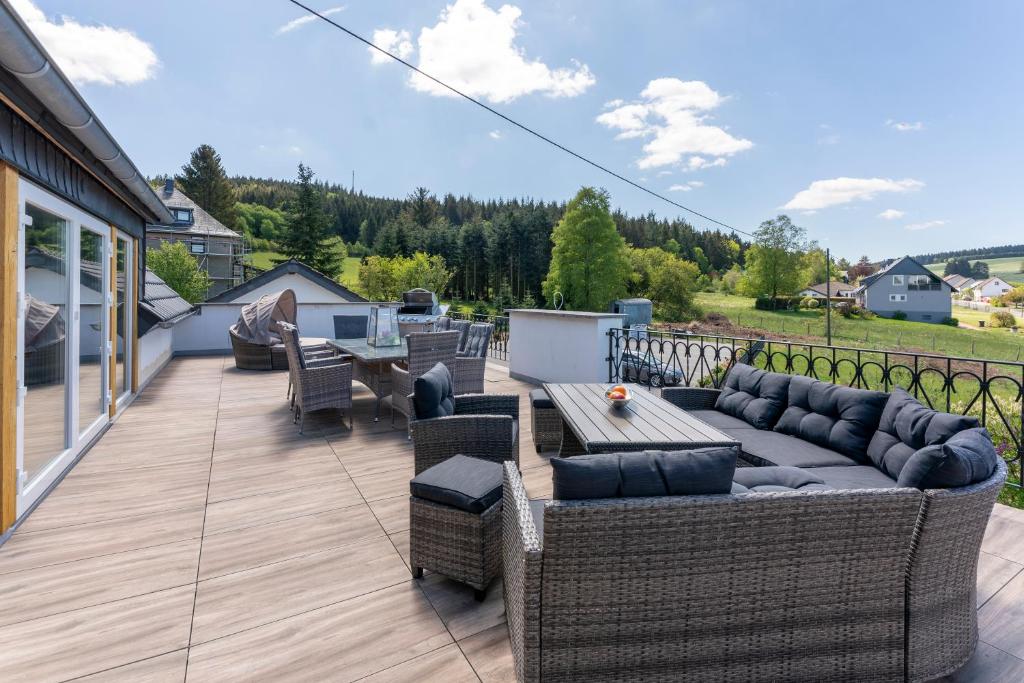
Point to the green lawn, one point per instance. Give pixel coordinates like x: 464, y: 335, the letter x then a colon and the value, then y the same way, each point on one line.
x: 1007, y: 268
x: 878, y: 333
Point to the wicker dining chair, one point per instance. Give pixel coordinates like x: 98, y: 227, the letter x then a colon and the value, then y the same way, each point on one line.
x: 318, y: 383
x: 426, y: 349
x: 462, y: 327
x: 471, y: 361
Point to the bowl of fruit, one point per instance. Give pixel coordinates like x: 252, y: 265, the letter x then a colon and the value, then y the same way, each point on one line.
x: 619, y: 396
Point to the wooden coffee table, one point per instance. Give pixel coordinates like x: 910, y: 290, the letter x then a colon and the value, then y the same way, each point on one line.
x: 591, y: 425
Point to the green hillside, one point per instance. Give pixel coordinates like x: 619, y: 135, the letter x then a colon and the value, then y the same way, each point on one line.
x: 1007, y: 268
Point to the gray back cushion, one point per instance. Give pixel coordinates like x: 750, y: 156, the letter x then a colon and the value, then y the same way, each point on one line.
x: 908, y: 426
x: 646, y: 473
x: 840, y: 418
x: 754, y: 396
x: 433, y: 393
x: 966, y: 458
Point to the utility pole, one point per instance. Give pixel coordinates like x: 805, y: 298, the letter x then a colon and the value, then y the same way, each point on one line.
x: 828, y: 296
x: 353, y: 181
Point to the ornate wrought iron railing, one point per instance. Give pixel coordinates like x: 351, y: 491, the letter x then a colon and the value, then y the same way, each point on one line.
x: 991, y: 390
x: 498, y: 348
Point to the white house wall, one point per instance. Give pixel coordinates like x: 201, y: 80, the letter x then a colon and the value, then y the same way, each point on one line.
x: 207, y: 332
x: 155, y: 349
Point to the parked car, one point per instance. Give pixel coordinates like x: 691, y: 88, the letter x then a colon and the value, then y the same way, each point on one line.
x: 648, y: 370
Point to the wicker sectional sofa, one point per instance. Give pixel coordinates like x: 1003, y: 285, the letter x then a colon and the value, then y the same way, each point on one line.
x: 855, y: 577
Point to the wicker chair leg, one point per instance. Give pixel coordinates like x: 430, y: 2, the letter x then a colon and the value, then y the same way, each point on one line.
x: 479, y: 595
x: 417, y: 572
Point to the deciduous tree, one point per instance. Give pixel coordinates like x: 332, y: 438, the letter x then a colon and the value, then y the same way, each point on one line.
x: 774, y: 261
x: 589, y: 264
x: 179, y: 269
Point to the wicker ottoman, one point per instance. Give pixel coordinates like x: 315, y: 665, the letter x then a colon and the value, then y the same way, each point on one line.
x: 545, y: 421
x: 455, y: 521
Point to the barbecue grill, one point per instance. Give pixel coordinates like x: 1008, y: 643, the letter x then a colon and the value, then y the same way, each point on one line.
x: 419, y: 308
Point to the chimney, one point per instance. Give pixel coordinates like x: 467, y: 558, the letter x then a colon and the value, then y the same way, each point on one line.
x: 169, y: 186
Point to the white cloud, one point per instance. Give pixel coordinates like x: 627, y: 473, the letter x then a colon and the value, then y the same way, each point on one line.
x: 91, y: 54
x: 495, y: 134
x: 925, y: 225
x: 661, y: 173
x: 396, y: 42
x: 673, y: 115
x: 830, y: 139
x: 307, y: 19
x: 473, y: 48
x: 294, y: 149
x: 904, y: 126
x: 891, y: 214
x: 612, y: 104
x: 825, y: 193
x: 687, y: 187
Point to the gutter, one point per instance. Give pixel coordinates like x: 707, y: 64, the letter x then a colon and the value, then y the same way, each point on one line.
x: 25, y: 57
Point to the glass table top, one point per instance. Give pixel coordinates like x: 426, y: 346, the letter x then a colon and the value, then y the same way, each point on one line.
x: 365, y: 352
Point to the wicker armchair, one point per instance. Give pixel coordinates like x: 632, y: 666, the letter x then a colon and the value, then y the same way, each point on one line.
x: 691, y: 398
x: 426, y: 349
x: 462, y: 327
x: 318, y: 383
x: 731, y: 587
x: 471, y: 362
x: 250, y: 356
x: 484, y: 426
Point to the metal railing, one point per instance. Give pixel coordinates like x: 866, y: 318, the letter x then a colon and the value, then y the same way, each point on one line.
x: 991, y: 390
x: 498, y: 347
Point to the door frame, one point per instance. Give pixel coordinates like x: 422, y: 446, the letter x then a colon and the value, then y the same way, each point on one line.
x: 75, y: 440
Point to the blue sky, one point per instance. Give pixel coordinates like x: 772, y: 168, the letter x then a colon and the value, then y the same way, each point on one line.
x: 883, y: 128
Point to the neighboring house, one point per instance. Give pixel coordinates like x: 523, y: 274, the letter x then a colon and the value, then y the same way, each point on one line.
x: 310, y: 287
x: 961, y: 284
x: 905, y: 285
x: 989, y: 288
x: 219, y: 250
x: 820, y: 291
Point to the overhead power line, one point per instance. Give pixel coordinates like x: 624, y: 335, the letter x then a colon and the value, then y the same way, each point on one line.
x: 512, y: 121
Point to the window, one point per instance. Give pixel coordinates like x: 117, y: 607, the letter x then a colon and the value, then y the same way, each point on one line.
x: 897, y: 297
x: 198, y: 247
x: 182, y: 215
x: 922, y: 283
x: 897, y: 280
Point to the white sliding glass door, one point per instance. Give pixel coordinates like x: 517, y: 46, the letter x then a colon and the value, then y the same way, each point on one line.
x: 63, y: 337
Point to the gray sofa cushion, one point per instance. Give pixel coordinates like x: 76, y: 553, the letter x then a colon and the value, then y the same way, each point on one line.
x: 540, y: 400
x: 907, y: 426
x: 717, y: 418
x: 647, y: 473
x: 760, y: 479
x: 755, y: 396
x: 965, y: 458
x: 855, y: 477
x: 840, y: 418
x: 465, y: 483
x: 433, y: 393
x: 772, y: 448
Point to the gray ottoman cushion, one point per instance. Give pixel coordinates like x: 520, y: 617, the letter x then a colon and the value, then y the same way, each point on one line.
x: 462, y: 482
x: 839, y: 418
x: 855, y: 477
x: 907, y: 426
x: 964, y: 459
x: 773, y: 448
x: 755, y: 396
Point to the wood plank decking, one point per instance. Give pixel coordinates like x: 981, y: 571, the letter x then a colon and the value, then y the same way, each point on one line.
x: 204, y: 539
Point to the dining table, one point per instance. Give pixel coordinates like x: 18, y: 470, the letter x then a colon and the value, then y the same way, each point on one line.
x: 371, y: 365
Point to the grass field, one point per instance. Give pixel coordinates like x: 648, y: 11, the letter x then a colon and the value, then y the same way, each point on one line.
x: 1007, y: 268
x: 994, y: 344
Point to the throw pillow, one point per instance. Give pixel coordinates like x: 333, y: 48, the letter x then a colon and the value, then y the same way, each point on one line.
x: 908, y: 426
x: 965, y: 458
x: 647, y: 473
x: 755, y: 396
x: 832, y: 416
x: 433, y: 393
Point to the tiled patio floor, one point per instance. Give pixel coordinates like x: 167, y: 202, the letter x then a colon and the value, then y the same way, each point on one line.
x: 203, y: 538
